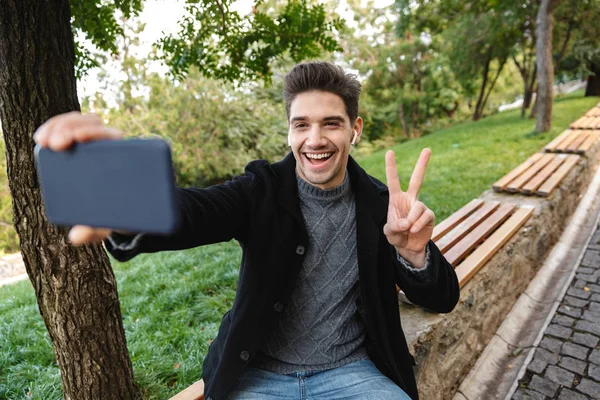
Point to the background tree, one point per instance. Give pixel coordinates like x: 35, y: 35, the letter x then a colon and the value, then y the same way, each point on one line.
x: 576, y: 42
x: 545, y: 66
x: 75, y: 287
x: 478, y: 43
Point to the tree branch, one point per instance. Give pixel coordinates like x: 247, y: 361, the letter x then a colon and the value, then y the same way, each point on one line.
x: 224, y: 25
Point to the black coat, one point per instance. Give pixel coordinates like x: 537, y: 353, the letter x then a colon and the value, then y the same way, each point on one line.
x: 262, y: 211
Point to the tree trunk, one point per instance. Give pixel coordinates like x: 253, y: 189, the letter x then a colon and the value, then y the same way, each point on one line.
x: 534, y: 108
x: 593, y: 82
x: 545, y: 67
x: 527, y: 96
x: 75, y: 287
x: 478, y: 108
x: 403, y: 121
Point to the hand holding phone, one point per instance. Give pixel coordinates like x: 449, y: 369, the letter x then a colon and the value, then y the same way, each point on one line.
x: 61, y: 132
x: 106, y: 183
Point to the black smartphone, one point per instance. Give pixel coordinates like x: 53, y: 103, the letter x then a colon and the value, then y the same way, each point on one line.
x: 118, y: 184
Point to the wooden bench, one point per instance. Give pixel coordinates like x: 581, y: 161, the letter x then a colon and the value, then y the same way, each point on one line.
x: 594, y: 112
x: 540, y: 174
x: 473, y: 234
x: 194, y: 392
x: 573, y: 141
x: 587, y: 122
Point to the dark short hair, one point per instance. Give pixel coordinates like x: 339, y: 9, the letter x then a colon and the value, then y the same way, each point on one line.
x: 326, y: 77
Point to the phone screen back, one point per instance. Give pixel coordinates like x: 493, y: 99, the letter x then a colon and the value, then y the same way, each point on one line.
x: 118, y: 184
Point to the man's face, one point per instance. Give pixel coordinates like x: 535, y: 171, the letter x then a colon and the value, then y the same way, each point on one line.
x: 320, y: 133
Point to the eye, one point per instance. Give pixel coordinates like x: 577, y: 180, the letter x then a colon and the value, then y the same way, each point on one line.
x: 332, y: 123
x: 300, y: 125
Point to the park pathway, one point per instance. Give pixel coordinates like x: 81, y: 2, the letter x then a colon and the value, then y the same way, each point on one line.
x: 12, y: 269
x: 566, y: 364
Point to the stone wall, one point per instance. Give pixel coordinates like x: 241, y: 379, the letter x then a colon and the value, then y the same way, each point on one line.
x: 446, y: 346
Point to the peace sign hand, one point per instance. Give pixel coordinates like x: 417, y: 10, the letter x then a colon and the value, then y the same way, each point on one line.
x: 410, y: 223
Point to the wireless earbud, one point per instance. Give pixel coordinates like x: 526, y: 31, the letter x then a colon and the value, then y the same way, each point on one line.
x: 289, y: 141
x: 353, y: 142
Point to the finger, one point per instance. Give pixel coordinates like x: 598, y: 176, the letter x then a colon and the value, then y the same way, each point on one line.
x: 427, y: 218
x: 418, y: 175
x: 81, y: 234
x: 391, y: 173
x: 67, y: 138
x: 415, y: 212
x: 61, y: 123
x: 396, y: 227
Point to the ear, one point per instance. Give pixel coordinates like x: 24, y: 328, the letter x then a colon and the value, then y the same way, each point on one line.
x: 358, y: 126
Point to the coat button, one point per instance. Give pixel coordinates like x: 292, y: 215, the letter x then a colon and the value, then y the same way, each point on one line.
x: 300, y: 250
x: 244, y: 355
x: 278, y: 307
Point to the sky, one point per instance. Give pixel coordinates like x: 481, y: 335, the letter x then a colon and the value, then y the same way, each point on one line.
x: 160, y: 17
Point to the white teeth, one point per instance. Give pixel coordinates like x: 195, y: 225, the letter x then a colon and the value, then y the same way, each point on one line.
x: 318, y: 156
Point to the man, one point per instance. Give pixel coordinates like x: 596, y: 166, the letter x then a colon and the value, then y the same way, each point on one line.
x: 324, y: 244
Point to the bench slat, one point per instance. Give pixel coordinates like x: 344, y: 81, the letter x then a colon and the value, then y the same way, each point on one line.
x: 588, y: 143
x: 541, y: 176
x: 446, y: 225
x: 553, y: 145
x: 483, y: 253
x: 516, y: 184
x: 572, y: 148
x: 504, y: 181
x: 462, y: 229
x: 457, y: 253
x: 555, y: 179
x: 567, y: 142
x: 194, y: 392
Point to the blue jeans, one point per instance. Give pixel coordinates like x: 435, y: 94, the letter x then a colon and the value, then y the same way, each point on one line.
x: 354, y: 381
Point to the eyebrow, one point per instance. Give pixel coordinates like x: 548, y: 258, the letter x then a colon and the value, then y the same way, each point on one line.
x: 338, y: 118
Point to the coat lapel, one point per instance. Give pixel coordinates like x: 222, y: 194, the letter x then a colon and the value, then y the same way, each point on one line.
x: 371, y: 211
x: 287, y: 187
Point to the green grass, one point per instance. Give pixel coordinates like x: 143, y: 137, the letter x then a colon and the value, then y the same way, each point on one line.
x: 172, y: 302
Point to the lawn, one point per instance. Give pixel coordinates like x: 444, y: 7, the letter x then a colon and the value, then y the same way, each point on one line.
x: 172, y: 302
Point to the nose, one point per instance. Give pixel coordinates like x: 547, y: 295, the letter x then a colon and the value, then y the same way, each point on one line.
x: 316, y: 138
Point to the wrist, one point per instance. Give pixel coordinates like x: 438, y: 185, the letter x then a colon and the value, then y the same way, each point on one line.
x: 415, y: 258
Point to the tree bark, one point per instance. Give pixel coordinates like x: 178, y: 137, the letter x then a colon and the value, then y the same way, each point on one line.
x: 75, y: 287
x: 593, y: 82
x: 545, y: 67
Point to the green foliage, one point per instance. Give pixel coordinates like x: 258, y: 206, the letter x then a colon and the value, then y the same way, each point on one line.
x: 95, y: 20
x: 576, y: 40
x: 213, y: 128
x: 228, y: 46
x: 172, y: 302
x: 220, y: 42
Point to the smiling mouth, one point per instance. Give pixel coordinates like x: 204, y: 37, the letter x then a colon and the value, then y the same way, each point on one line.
x: 318, y: 158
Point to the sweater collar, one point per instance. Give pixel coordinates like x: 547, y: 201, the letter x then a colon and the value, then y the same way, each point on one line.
x: 371, y: 194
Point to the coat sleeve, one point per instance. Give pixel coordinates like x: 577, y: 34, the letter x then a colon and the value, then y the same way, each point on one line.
x: 436, y: 289
x: 215, y: 214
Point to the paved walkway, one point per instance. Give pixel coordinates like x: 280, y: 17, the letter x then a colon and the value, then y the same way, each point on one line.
x: 566, y: 365
x: 12, y: 269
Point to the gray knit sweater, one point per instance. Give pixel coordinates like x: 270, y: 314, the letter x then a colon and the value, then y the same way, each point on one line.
x: 320, y: 329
